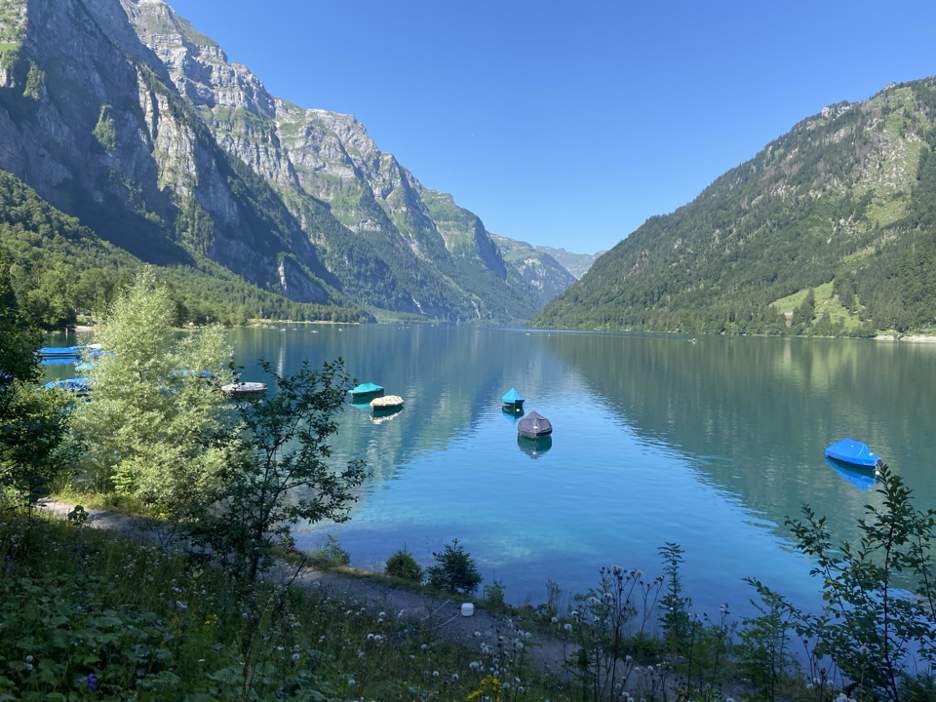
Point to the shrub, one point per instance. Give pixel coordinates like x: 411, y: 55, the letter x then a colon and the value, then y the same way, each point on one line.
x: 494, y: 596
x: 333, y: 555
x: 456, y: 570
x: 402, y: 565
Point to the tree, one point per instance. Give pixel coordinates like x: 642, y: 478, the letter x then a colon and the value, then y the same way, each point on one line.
x: 31, y: 423
x: 455, y: 570
x: 280, y: 474
x: 158, y: 428
x: 869, y: 624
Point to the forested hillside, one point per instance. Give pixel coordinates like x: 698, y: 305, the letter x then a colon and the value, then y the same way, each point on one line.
x: 58, y: 267
x: 829, y: 229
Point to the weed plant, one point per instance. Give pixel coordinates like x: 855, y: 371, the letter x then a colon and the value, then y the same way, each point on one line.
x: 88, y: 615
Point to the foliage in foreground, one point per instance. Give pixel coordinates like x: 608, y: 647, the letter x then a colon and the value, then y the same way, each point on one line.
x: 85, y: 615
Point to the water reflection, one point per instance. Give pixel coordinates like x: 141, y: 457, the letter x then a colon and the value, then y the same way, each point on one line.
x: 534, y: 448
x: 379, y: 416
x: 861, y: 479
x: 709, y: 444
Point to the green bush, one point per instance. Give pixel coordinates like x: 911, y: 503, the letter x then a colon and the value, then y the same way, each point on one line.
x: 402, y: 565
x: 332, y: 553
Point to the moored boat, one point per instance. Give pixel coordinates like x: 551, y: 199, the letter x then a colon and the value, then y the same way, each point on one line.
x: 79, y: 386
x: 242, y: 389
x: 387, y: 404
x: 853, y: 452
x: 534, y: 425
x: 366, y: 389
x: 60, y: 351
x: 513, y: 401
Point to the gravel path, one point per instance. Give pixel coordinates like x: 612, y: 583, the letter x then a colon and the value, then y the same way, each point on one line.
x: 443, y: 616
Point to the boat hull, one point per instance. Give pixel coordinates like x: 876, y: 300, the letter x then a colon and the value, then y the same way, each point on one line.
x: 853, y: 453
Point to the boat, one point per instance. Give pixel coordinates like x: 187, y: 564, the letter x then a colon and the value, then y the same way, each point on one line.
x: 79, y: 386
x: 58, y: 360
x: 513, y: 401
x: 242, y: 389
x: 534, y: 425
x: 60, y: 351
x: 386, y: 405
x: 854, y: 453
x: 366, y: 389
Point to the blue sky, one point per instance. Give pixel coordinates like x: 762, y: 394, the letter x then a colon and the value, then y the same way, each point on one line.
x: 569, y: 124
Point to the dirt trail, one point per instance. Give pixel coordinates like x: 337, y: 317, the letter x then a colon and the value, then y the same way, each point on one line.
x: 442, y: 615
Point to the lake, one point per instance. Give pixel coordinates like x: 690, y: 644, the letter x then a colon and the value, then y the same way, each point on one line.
x: 656, y: 439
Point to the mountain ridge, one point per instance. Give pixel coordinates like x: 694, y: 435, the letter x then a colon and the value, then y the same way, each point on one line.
x: 121, y: 113
x: 840, y: 205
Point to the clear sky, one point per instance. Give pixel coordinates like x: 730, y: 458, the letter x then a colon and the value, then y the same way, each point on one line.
x: 570, y: 123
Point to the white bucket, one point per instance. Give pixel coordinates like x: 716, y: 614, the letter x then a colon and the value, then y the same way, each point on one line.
x: 467, y: 609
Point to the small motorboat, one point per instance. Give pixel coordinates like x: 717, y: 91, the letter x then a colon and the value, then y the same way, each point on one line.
x: 854, y: 453
x: 79, y: 386
x: 513, y: 401
x: 365, y: 389
x: 386, y: 405
x: 534, y: 425
x: 243, y: 389
x: 60, y: 351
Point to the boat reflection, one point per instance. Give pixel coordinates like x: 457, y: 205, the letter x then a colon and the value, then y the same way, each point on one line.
x: 863, y: 479
x: 380, y: 416
x: 534, y: 448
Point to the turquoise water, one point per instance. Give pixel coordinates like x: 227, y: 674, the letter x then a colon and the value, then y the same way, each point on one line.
x: 656, y: 439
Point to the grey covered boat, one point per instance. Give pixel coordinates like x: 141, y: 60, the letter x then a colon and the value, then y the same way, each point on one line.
x: 534, y: 425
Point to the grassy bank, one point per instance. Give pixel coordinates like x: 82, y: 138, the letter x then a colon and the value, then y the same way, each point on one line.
x: 87, y: 615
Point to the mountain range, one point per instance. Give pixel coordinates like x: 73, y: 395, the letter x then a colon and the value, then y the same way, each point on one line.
x: 830, y: 229
x: 121, y: 114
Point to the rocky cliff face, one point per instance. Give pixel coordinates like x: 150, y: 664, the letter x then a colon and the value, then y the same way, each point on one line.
x: 120, y: 112
x: 577, y: 264
x: 541, y: 271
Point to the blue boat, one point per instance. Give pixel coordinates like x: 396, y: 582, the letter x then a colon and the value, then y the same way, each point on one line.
x: 58, y: 360
x: 513, y: 401
x: 853, y: 452
x: 79, y: 386
x: 60, y: 351
x: 366, y: 389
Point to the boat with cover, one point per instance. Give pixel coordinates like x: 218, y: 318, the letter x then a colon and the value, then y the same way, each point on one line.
x: 61, y: 351
x: 242, y: 389
x: 853, y: 452
x: 79, y: 386
x: 366, y: 389
x: 513, y: 401
x: 534, y: 425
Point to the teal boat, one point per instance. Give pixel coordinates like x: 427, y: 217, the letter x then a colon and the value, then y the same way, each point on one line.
x: 513, y: 402
x: 366, y: 389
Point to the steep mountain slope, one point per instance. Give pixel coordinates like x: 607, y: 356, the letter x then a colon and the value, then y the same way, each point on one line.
x: 845, y: 198
x: 540, y: 270
x: 122, y: 114
x: 577, y: 264
x: 56, y: 266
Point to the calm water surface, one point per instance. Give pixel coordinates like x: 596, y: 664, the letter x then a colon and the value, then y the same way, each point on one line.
x: 655, y: 440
